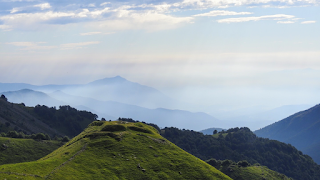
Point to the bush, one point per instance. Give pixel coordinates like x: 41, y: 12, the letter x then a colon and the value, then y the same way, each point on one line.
x: 96, y: 123
x: 39, y: 136
x: 13, y: 134
x: 213, y: 162
x: 65, y: 139
x: 243, y: 163
x: 115, y: 127
x: 226, y: 162
x: 135, y: 128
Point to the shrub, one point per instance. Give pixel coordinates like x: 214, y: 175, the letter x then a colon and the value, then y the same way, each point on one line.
x: 134, y: 128
x: 39, y: 136
x: 96, y: 123
x: 13, y: 134
x: 243, y: 163
x: 115, y: 127
x: 65, y: 139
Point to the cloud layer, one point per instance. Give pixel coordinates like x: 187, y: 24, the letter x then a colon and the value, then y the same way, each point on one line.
x: 30, y: 14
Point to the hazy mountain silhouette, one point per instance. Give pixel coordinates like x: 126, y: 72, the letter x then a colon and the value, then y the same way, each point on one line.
x: 107, y: 89
x: 264, y: 118
x: 112, y: 109
x: 209, y: 131
x: 31, y: 98
x: 301, y: 130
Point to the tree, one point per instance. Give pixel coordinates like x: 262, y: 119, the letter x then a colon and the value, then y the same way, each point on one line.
x: 13, y: 134
x: 4, y: 97
x: 65, y: 139
x: 215, y: 131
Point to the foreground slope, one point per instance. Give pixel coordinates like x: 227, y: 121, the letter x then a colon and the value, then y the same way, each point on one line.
x: 115, y: 150
x: 299, y: 130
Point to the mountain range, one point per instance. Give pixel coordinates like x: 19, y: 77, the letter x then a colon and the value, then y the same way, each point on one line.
x: 111, y: 98
x: 116, y: 97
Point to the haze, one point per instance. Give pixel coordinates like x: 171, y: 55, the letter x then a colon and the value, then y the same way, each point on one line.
x: 216, y: 56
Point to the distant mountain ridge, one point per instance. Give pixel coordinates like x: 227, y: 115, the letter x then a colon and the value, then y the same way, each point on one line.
x: 108, y: 89
x: 113, y: 110
x: 300, y: 129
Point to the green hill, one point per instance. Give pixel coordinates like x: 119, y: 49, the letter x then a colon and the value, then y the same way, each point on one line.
x: 14, y: 150
x: 115, y: 150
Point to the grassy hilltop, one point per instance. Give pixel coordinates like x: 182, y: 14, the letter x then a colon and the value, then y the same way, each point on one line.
x: 115, y: 150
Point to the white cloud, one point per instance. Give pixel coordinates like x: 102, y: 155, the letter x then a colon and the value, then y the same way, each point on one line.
x: 223, y: 13
x: 90, y: 33
x: 257, y: 18
x: 77, y: 45
x: 205, y: 4
x: 14, y: 10
x: 43, y: 6
x: 285, y: 22
x: 148, y: 20
x: 95, y: 33
x: 105, y: 3
x: 308, y: 22
x: 92, y: 5
x: 5, y: 27
x: 31, y: 45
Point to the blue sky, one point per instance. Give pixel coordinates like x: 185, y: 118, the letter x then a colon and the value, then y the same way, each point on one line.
x: 209, y: 52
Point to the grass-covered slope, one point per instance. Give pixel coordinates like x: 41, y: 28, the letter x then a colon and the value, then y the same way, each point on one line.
x: 115, y: 150
x: 14, y: 150
x: 244, y: 171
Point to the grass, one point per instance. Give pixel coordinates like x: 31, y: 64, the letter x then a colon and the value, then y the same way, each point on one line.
x: 244, y: 171
x: 115, y: 150
x: 255, y: 173
x: 13, y: 150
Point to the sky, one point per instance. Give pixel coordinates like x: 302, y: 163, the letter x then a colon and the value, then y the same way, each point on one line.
x: 219, y: 53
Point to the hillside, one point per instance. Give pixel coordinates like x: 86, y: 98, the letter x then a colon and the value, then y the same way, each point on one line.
x: 299, y: 129
x: 13, y: 150
x: 54, y: 122
x: 20, y: 118
x: 115, y: 150
x: 239, y: 144
x: 242, y: 170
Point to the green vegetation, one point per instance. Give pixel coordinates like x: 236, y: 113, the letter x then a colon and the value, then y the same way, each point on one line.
x: 66, y: 119
x: 239, y: 144
x: 244, y: 171
x: 127, y: 151
x: 42, y: 119
x: 13, y: 150
x: 299, y: 130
